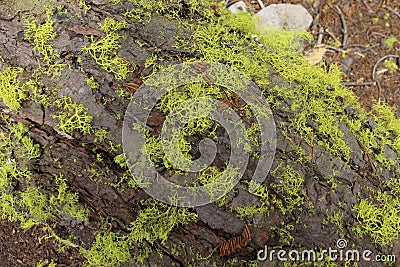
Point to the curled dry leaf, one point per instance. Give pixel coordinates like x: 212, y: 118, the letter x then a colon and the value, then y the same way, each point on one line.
x: 315, y: 55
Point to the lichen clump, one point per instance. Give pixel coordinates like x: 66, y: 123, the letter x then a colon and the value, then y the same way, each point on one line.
x: 30, y: 206
x: 12, y: 92
x: 42, y: 37
x: 104, y: 51
x: 380, y: 218
x: 72, y: 116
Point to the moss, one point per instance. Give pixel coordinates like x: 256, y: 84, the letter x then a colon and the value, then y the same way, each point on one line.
x: 73, y: 116
x: 92, y: 83
x: 289, y: 188
x: 109, y: 249
x: 380, y: 218
x: 384, y: 133
x: 67, y: 202
x: 12, y: 92
x: 391, y: 65
x: 42, y: 37
x: 389, y: 42
x: 157, y: 220
x: 104, y: 51
x: 100, y: 135
x: 36, y: 204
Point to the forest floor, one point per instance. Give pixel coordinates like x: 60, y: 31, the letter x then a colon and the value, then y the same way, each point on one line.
x: 363, y: 37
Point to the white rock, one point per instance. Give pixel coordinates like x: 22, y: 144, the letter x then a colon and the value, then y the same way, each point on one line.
x: 237, y: 7
x: 284, y: 16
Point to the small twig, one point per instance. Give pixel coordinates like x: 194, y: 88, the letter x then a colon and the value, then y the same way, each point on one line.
x: 320, y: 35
x: 379, y: 91
x: 367, y: 6
x: 344, y: 25
x: 260, y: 3
x: 228, y: 3
x: 342, y: 50
x: 358, y: 84
x: 378, y: 62
x: 393, y: 11
x: 372, y: 49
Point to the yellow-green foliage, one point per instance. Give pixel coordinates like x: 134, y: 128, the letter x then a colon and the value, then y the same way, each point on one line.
x: 36, y: 204
x: 12, y: 92
x: 104, y: 51
x: 261, y: 191
x: 289, y: 187
x: 316, y: 90
x: 120, y: 160
x: 67, y: 202
x: 157, y: 220
x: 224, y: 181
x: 72, y: 116
x: 108, y: 250
x: 389, y: 42
x: 92, y: 83
x: 380, y: 218
x: 391, y: 65
x: 41, y: 36
x: 385, y: 133
x: 143, y: 9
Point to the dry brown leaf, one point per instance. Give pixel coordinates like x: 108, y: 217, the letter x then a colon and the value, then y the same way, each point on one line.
x: 315, y: 55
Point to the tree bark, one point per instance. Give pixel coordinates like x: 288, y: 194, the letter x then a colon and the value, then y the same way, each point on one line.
x: 89, y: 168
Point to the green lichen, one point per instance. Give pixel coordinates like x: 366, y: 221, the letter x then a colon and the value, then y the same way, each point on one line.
x: 260, y: 191
x: 108, y: 250
x: 72, y: 116
x: 67, y: 203
x: 144, y: 9
x: 224, y: 182
x: 83, y: 5
x: 389, y: 42
x: 289, y: 188
x: 384, y: 134
x: 92, y: 83
x: 100, y: 135
x: 36, y: 204
x: 120, y: 160
x: 42, y: 37
x: 104, y: 51
x: 12, y: 91
x: 391, y: 65
x: 157, y: 220
x: 380, y: 218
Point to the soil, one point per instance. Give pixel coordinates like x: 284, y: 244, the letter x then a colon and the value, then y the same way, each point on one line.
x: 368, y: 24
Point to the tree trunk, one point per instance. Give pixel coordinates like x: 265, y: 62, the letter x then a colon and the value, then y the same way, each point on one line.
x: 314, y: 214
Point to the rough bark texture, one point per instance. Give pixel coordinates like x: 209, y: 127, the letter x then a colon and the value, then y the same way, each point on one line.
x: 78, y: 154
